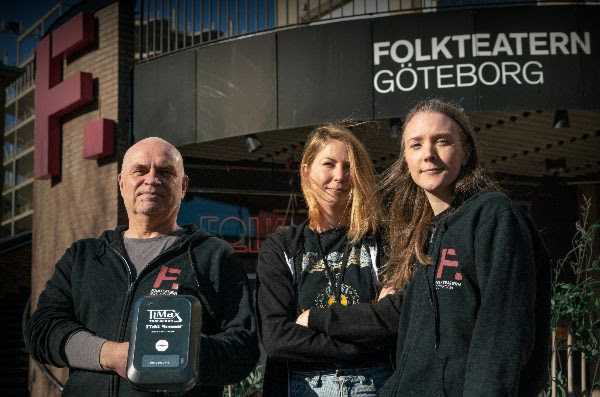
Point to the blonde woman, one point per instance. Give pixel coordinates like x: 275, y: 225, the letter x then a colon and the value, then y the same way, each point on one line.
x: 332, y: 258
x: 472, y: 317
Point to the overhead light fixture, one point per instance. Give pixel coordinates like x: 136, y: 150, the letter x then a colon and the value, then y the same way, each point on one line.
x: 253, y: 143
x: 395, y: 125
x: 561, y: 119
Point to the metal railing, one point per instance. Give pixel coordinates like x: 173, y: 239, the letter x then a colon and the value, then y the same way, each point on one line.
x: 23, y: 83
x: 165, y: 26
x: 25, y: 51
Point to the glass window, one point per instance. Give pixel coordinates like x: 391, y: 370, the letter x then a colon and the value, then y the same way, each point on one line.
x: 26, y: 46
x: 9, y: 176
x: 5, y: 230
x: 24, y: 199
x: 24, y: 138
x: 11, y: 92
x: 25, y: 112
x: 24, y: 167
x: 9, y: 121
x: 9, y: 146
x: 26, y: 106
x: 30, y: 74
x: 23, y: 225
x: 6, y: 206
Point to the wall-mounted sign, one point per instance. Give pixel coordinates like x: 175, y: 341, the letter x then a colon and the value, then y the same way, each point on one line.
x: 489, y: 59
x: 55, y: 97
x: 466, y: 60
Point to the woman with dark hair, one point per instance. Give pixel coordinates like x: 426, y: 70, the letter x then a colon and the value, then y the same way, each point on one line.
x: 471, y: 315
x: 334, y: 257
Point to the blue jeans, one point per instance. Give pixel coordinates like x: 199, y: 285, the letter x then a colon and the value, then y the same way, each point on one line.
x: 363, y: 382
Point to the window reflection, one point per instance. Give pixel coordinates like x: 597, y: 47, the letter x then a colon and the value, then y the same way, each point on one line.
x: 6, y: 206
x: 9, y: 176
x: 24, y: 199
x: 5, y: 231
x: 9, y: 146
x: 24, y: 138
x: 10, y: 120
x: 24, y: 167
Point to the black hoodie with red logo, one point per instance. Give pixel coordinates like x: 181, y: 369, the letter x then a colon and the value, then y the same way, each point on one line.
x: 474, y: 324
x: 94, y: 288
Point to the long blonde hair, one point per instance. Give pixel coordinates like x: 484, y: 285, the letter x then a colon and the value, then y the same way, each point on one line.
x: 364, y: 204
x: 409, y: 213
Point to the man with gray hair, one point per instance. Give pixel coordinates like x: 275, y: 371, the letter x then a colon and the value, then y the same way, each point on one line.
x: 83, y: 317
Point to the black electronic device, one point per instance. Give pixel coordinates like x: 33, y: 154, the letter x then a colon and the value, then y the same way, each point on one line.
x: 164, y: 343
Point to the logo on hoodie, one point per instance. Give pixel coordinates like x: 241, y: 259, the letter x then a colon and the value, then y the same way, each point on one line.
x: 447, y: 275
x: 161, y: 284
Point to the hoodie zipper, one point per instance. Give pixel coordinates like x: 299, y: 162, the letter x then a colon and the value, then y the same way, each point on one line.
x: 132, y: 283
x: 124, y: 314
x: 124, y: 320
x: 431, y: 282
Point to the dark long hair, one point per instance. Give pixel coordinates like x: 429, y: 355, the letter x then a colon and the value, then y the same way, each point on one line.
x: 409, y: 213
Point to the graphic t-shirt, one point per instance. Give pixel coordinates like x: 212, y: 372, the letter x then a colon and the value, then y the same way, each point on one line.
x: 325, y: 277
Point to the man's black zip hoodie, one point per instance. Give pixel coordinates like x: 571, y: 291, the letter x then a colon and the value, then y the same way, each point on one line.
x: 94, y: 288
x: 476, y: 323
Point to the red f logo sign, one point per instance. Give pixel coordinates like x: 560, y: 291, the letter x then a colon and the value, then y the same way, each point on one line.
x: 55, y: 97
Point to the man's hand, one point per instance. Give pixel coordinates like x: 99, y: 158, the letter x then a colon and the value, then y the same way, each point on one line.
x: 113, y: 356
x: 388, y: 290
x: 303, y: 318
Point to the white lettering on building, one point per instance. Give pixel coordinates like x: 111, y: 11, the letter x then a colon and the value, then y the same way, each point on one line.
x: 411, y: 74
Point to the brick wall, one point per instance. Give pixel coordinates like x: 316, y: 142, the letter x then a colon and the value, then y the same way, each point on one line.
x: 85, y: 200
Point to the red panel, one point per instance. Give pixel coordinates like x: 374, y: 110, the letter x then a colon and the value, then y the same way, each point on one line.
x: 71, y: 94
x: 74, y: 35
x: 55, y: 98
x: 99, y: 138
x: 46, y: 162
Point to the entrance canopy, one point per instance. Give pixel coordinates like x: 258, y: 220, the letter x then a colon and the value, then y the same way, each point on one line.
x: 510, y: 68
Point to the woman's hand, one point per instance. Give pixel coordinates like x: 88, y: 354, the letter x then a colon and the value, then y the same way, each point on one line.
x: 303, y: 318
x: 385, y: 291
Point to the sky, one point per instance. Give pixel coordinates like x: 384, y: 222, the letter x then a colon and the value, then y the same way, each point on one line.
x: 29, y: 11
x: 26, y: 11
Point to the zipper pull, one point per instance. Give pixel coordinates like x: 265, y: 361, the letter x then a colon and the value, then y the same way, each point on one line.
x: 433, y: 229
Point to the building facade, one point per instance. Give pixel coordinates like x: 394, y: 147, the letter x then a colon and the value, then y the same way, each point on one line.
x: 238, y: 85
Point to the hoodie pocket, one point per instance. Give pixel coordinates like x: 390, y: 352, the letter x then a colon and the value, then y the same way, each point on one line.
x: 452, y: 376
x: 87, y: 383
